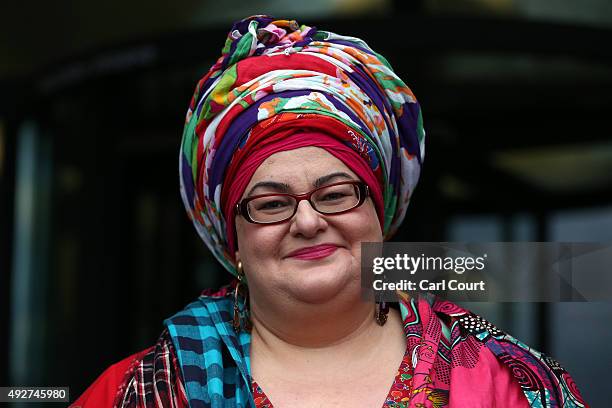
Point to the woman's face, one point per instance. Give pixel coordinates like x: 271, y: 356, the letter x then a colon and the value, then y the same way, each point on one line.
x: 265, y: 250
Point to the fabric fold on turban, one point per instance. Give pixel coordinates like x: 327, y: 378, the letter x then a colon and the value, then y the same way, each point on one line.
x: 276, y: 75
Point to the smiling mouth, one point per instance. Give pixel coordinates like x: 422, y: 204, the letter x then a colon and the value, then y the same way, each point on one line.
x: 314, y: 252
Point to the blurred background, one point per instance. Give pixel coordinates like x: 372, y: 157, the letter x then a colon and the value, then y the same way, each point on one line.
x: 96, y: 249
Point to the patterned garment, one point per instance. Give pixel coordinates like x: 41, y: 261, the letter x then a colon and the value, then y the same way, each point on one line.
x: 275, y: 71
x: 215, y: 365
x: 155, y: 380
x: 214, y: 359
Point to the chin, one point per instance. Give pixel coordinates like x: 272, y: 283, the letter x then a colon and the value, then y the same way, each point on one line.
x: 322, y: 283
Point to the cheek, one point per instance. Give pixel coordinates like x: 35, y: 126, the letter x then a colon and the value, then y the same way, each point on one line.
x: 362, y: 226
x: 258, y: 244
x: 367, y: 227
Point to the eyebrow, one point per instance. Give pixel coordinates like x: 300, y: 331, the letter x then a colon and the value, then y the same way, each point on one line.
x: 284, y: 187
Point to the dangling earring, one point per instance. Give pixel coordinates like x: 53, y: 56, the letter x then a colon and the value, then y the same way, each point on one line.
x: 381, y: 312
x: 241, y: 320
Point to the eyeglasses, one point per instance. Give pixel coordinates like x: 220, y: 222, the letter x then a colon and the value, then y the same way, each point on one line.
x: 275, y: 208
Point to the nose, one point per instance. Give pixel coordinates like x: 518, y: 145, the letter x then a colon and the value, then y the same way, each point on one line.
x: 306, y: 221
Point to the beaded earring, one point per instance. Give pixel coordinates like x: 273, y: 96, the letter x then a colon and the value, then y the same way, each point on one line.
x: 242, y: 319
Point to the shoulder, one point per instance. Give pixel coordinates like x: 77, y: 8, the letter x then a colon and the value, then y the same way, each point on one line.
x: 132, y: 381
x: 541, y: 378
x: 102, y: 392
x: 118, y: 382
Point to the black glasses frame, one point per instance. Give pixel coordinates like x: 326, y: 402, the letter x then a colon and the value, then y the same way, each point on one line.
x: 242, y: 206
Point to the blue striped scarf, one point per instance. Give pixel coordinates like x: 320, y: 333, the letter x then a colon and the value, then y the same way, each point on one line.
x: 203, y: 335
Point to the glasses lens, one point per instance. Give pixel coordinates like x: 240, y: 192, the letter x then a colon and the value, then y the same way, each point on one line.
x: 271, y: 208
x: 335, y: 199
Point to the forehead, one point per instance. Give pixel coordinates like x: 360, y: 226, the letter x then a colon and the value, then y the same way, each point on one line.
x: 299, y: 166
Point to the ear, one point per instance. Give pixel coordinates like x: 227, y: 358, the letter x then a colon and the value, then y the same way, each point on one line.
x: 237, y: 256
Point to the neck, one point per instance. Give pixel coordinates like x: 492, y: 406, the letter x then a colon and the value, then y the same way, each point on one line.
x: 313, y: 334
x: 315, y: 326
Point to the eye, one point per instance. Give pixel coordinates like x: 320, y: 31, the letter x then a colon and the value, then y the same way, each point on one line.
x: 271, y: 204
x: 333, y: 196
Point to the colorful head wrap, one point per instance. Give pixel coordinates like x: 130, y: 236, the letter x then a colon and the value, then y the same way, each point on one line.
x: 274, y: 78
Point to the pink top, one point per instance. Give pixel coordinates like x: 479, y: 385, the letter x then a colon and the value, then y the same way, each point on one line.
x: 477, y: 379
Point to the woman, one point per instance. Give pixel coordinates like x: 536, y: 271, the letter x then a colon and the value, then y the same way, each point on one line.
x: 299, y: 145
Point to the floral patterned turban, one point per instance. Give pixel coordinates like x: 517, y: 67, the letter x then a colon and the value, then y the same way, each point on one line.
x: 275, y: 72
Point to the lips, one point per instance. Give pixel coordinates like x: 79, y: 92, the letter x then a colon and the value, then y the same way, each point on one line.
x: 314, y: 252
